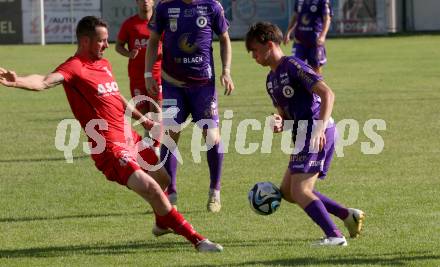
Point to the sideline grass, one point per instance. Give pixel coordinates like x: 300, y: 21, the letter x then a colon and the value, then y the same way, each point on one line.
x: 59, y: 214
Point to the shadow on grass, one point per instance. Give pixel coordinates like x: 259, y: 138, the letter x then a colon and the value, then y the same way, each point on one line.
x: 41, y: 159
x: 386, y: 259
x: 77, y: 216
x: 95, y: 249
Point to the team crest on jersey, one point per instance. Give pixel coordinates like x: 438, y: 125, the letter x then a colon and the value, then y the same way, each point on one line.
x: 313, y: 8
x: 173, y: 25
x: 288, y: 91
x: 201, y: 22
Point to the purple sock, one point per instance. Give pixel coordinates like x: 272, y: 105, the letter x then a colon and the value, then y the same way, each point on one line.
x: 316, y: 210
x: 215, y: 162
x: 332, y: 206
x: 170, y: 166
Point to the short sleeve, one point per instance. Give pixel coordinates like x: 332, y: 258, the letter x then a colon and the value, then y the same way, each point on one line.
x: 69, y: 69
x: 219, y: 22
x: 326, y: 8
x: 303, y: 74
x: 123, y: 32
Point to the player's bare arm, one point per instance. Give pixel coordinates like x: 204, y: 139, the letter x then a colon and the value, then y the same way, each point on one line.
x: 33, y: 82
x: 146, y: 122
x: 150, y: 58
x: 327, y: 99
x: 122, y: 50
x: 277, y: 120
x: 226, y: 57
x: 290, y: 29
x: 325, y: 28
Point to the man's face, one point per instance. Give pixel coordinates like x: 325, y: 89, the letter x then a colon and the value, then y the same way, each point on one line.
x: 98, y: 43
x: 260, y: 52
x: 145, y: 5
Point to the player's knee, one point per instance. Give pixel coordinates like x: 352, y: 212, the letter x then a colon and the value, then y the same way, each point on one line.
x: 287, y: 195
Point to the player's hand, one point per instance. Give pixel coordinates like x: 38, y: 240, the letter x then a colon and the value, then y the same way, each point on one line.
x: 151, y: 85
x: 286, y: 38
x: 8, y: 78
x: 133, y: 53
x: 320, y: 41
x: 226, y: 81
x: 276, y: 123
x: 318, y: 139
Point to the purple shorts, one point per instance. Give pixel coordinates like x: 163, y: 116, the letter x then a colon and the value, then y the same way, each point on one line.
x: 305, y: 162
x: 314, y: 56
x: 199, y: 101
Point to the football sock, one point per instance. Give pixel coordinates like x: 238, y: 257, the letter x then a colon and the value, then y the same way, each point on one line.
x: 180, y: 226
x: 170, y: 166
x: 215, y: 162
x: 316, y: 210
x: 332, y: 206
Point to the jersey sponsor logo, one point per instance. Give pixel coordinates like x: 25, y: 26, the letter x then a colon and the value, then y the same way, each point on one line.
x: 173, y: 25
x: 174, y: 10
x: 185, y: 45
x: 201, y: 22
x: 288, y: 91
x: 107, y: 88
x: 202, y: 10
x: 190, y: 60
x: 305, y: 20
x: 141, y: 43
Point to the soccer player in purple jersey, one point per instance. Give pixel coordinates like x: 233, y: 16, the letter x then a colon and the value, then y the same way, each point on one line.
x: 310, y: 23
x: 301, y: 96
x: 188, y: 81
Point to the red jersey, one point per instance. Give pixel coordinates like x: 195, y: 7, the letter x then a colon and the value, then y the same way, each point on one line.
x: 134, y: 31
x: 93, y: 93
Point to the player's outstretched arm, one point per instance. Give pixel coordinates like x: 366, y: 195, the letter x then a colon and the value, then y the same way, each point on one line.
x: 33, y: 82
x: 226, y: 57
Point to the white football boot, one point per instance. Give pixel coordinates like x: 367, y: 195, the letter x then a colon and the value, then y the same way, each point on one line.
x: 331, y: 241
x: 208, y: 246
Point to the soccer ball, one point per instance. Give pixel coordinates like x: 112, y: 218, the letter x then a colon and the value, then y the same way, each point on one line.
x: 264, y: 198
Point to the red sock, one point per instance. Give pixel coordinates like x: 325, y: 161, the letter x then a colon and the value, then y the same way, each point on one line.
x: 175, y: 221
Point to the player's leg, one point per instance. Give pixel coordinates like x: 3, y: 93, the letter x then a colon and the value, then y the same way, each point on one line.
x: 301, y: 190
x: 204, y: 110
x: 145, y: 186
x: 215, y: 159
x: 175, y: 113
x: 299, y: 51
x: 316, y: 57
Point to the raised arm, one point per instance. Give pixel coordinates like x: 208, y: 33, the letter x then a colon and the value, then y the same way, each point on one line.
x: 226, y: 57
x: 33, y: 82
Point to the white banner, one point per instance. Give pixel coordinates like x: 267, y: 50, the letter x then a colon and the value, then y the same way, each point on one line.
x: 61, y: 18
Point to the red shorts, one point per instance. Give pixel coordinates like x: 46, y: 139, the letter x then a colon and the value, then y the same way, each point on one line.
x: 118, y: 162
x: 137, y: 87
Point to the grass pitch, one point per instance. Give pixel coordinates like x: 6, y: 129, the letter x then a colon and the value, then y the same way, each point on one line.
x: 58, y: 214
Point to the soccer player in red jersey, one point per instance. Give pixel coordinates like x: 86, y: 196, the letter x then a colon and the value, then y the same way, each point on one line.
x: 132, y: 42
x: 96, y: 103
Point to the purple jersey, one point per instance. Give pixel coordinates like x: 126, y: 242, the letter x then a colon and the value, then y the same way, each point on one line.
x: 290, y: 88
x: 310, y: 17
x: 187, y: 41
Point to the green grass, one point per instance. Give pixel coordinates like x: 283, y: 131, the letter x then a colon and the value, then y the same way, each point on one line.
x: 59, y: 214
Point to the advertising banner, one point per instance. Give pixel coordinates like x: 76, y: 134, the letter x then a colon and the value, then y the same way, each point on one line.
x: 10, y: 22
x: 61, y: 17
x: 354, y: 17
x: 242, y: 13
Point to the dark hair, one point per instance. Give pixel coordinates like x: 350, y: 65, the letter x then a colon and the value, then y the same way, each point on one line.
x: 87, y: 26
x: 263, y: 32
